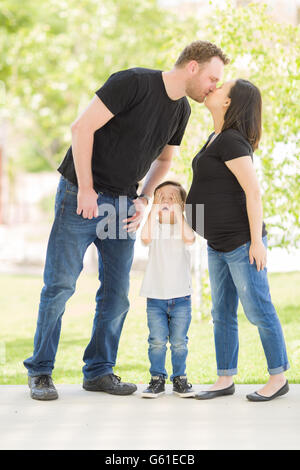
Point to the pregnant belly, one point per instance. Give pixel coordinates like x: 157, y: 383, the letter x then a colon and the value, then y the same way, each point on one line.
x: 217, y: 213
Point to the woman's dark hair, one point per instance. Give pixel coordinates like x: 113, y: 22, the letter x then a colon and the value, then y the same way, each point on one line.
x: 244, y: 112
x: 173, y: 183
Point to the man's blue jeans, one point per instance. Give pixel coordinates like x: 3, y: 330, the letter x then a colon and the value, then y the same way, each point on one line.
x: 70, y: 237
x: 232, y: 277
x: 168, y: 320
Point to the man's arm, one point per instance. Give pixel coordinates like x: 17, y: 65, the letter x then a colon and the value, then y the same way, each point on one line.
x: 155, y: 175
x: 96, y: 115
x: 158, y: 170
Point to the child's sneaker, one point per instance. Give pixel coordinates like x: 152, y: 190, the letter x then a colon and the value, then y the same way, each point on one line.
x: 182, y: 388
x: 155, y: 388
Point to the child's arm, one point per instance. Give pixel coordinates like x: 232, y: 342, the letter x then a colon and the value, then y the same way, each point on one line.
x: 149, y: 226
x: 187, y: 233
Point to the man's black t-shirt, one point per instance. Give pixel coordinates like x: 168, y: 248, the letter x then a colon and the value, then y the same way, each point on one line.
x: 226, y: 223
x: 145, y: 120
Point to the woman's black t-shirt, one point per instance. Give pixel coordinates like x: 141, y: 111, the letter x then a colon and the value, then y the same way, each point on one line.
x: 225, y: 224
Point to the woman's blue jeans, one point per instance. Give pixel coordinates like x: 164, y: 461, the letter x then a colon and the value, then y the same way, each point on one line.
x: 168, y: 320
x: 70, y: 237
x: 232, y: 277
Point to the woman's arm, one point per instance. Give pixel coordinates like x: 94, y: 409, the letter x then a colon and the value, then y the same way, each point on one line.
x: 244, y: 171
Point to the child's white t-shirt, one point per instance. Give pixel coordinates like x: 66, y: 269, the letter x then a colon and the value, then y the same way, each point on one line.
x: 168, y: 271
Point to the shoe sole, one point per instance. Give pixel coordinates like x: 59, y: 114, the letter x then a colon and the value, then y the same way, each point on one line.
x: 44, y: 398
x: 111, y: 392
x: 212, y: 396
x: 185, y: 395
x: 261, y: 398
x: 152, y: 395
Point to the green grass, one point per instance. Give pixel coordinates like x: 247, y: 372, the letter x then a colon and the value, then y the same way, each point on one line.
x: 19, y: 303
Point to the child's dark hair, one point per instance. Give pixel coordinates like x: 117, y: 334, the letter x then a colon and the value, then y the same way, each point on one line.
x: 173, y: 183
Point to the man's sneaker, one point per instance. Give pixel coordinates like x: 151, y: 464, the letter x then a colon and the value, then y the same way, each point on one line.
x: 155, y: 388
x: 182, y: 388
x: 42, y: 388
x: 110, y: 384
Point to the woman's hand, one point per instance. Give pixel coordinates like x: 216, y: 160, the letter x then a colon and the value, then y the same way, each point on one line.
x: 258, y: 252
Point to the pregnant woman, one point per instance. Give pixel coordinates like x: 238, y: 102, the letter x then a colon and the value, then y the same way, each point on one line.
x: 225, y: 182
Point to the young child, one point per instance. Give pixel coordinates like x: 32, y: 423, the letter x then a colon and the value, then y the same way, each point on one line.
x: 167, y: 285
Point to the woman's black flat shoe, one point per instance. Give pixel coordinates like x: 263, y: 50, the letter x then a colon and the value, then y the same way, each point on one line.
x: 257, y: 397
x: 215, y: 393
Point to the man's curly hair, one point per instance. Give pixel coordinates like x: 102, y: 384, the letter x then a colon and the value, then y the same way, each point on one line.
x: 201, y: 52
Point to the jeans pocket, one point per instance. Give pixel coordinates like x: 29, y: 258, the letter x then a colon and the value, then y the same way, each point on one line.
x: 71, y: 188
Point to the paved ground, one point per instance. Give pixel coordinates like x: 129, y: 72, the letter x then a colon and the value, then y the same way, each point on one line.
x: 93, y: 420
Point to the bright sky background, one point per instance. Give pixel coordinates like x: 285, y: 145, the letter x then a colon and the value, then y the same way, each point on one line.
x: 172, y: 2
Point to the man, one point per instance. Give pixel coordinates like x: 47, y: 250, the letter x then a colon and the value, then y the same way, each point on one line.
x: 130, y: 129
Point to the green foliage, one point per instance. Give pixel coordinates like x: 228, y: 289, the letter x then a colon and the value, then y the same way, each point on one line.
x: 267, y: 54
x: 55, y: 56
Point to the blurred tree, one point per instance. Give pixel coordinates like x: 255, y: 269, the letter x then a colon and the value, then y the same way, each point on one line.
x: 54, y: 56
x: 267, y: 54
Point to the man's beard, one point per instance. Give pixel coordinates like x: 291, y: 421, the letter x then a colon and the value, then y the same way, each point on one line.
x: 191, y: 93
